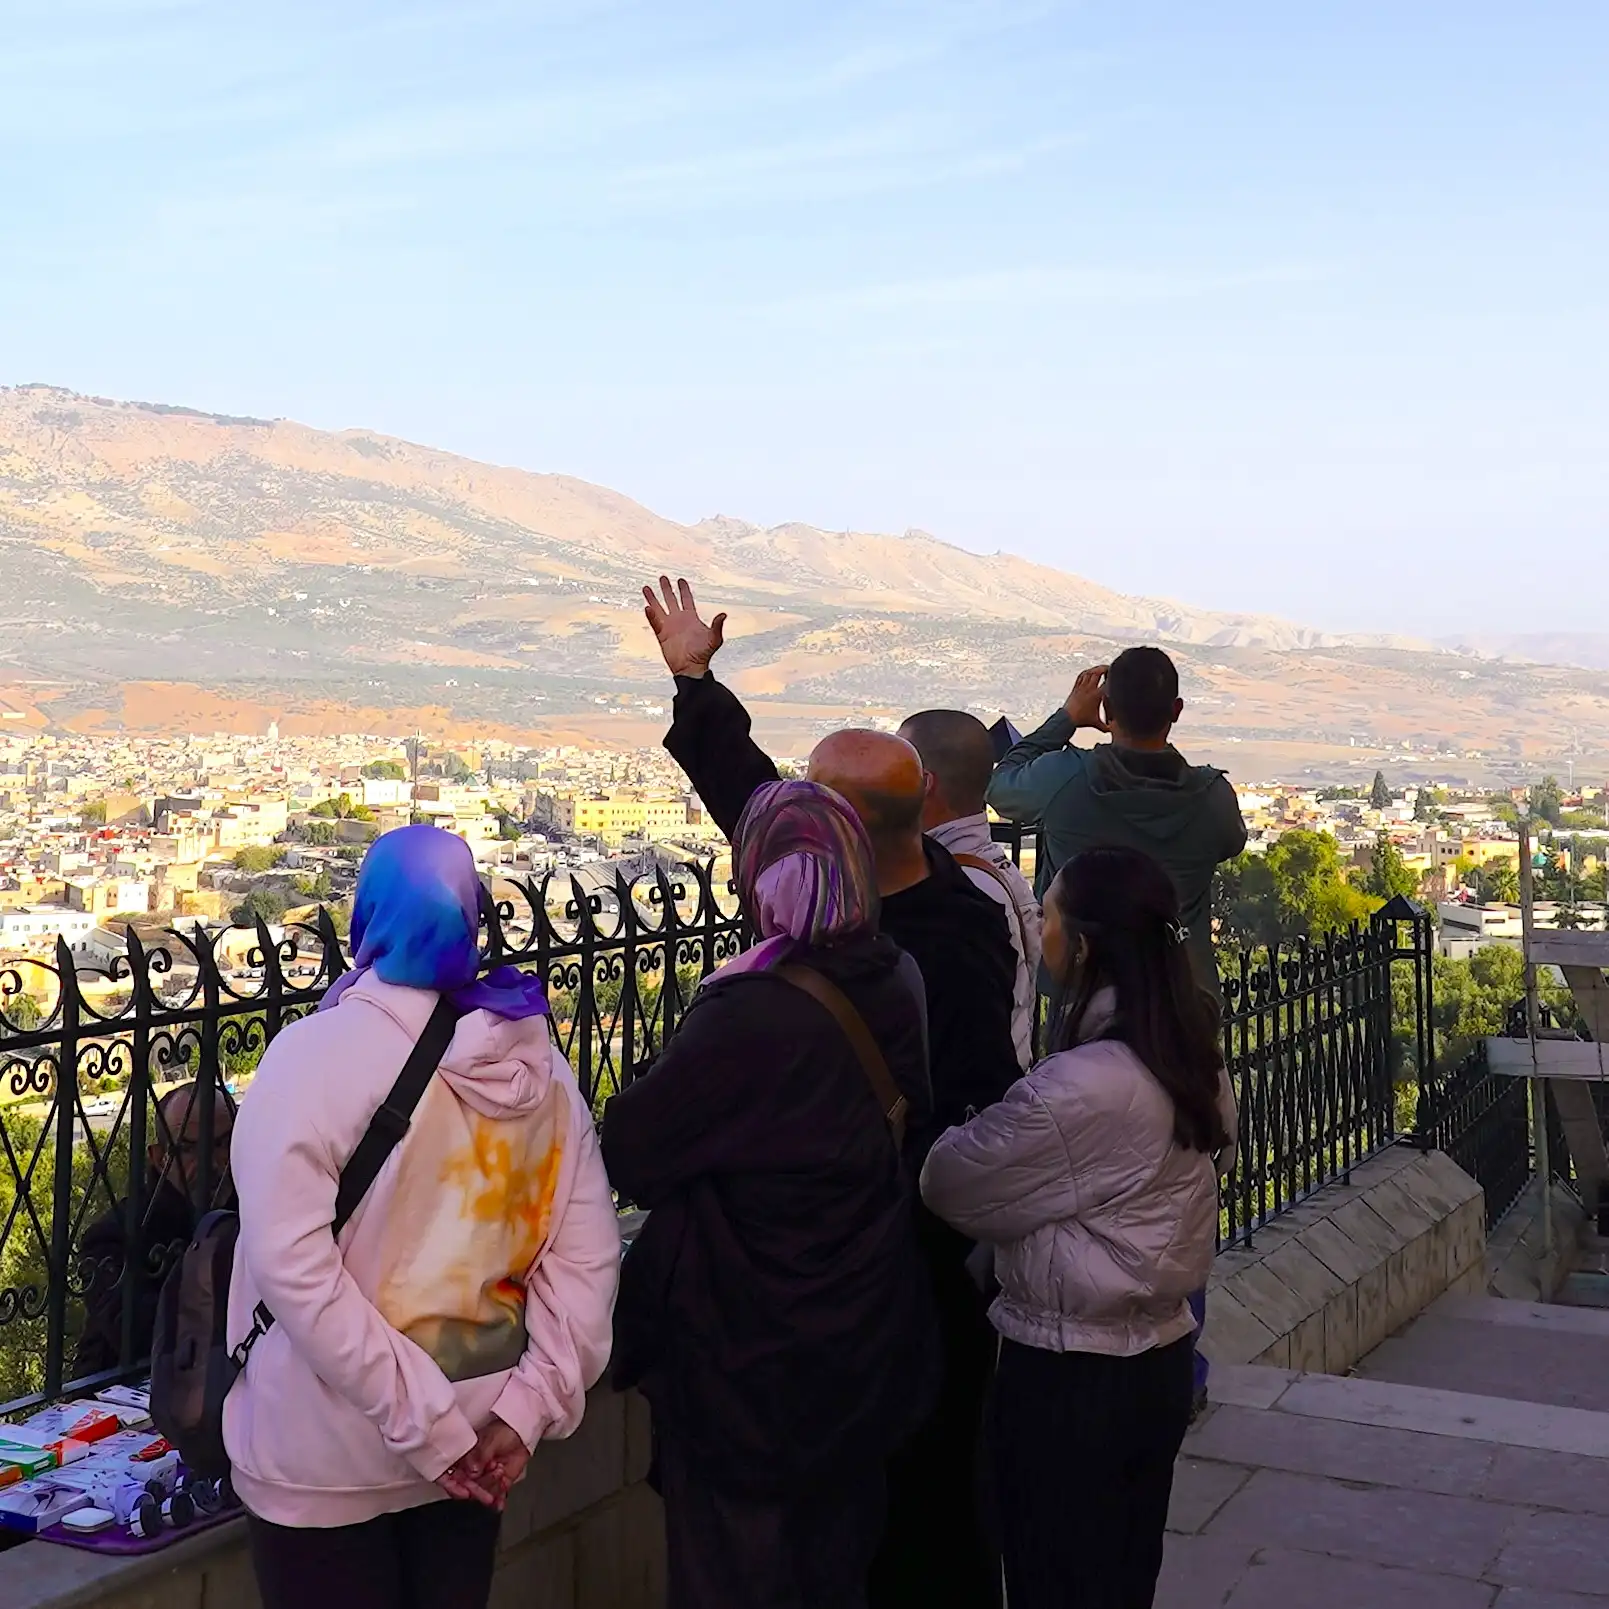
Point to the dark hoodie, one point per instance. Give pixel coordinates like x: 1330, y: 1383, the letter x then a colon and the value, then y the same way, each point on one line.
x: 1186, y: 817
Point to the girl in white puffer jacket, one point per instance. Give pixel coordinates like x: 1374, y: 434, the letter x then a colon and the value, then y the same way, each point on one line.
x: 1095, y: 1180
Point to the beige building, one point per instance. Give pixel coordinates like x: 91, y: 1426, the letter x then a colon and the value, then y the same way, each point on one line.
x: 109, y: 896
x: 614, y: 817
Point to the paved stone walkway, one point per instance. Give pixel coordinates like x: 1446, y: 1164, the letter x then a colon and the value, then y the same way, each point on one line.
x: 1317, y: 1492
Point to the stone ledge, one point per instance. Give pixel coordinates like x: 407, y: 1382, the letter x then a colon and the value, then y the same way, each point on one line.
x: 1325, y: 1283
x: 583, y: 1531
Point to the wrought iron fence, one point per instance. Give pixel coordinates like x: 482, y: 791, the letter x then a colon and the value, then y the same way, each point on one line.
x: 101, y: 1171
x: 1486, y: 1121
x: 1482, y: 1120
x: 1307, y: 1034
x: 95, y: 1160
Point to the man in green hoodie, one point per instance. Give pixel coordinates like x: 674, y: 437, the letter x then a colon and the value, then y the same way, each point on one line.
x: 1137, y: 791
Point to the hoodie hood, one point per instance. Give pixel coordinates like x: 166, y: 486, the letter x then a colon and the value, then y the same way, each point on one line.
x: 497, y: 1066
x: 1158, y: 794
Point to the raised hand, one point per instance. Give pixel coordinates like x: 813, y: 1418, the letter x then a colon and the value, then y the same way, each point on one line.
x: 1084, y: 704
x: 686, y: 643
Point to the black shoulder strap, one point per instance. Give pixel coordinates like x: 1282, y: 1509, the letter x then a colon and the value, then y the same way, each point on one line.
x: 389, y: 1124
x: 380, y: 1139
x: 868, y: 1053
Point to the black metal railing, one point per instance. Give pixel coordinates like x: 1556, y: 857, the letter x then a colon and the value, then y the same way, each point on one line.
x: 92, y: 1156
x: 1482, y: 1120
x: 1308, y: 1041
x: 94, y: 1159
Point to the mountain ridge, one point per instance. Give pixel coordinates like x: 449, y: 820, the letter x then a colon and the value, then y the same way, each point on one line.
x: 270, y: 567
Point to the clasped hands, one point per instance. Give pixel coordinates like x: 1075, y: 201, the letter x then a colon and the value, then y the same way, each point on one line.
x: 486, y: 1472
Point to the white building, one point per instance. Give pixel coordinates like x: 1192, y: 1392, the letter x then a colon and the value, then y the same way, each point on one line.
x: 35, y: 927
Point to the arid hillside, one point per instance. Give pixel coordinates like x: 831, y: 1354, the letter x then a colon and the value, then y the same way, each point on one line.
x: 167, y: 568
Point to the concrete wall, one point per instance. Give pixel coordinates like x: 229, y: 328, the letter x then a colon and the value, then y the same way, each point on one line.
x: 1327, y: 1282
x: 583, y: 1531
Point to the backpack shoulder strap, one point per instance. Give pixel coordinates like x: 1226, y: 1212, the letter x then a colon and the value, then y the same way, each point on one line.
x: 982, y: 864
x: 389, y: 1124
x: 873, y: 1063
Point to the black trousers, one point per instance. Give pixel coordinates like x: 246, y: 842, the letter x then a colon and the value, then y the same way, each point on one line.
x: 1082, y: 1447
x: 936, y: 1552
x: 440, y: 1556
x: 733, y: 1549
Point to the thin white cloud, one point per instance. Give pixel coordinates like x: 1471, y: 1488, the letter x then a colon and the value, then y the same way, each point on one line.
x: 1034, y: 286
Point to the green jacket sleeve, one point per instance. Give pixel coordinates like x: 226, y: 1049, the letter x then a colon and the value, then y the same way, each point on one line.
x: 1035, y: 770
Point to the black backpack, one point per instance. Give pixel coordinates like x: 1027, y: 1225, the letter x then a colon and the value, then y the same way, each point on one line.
x: 192, y: 1364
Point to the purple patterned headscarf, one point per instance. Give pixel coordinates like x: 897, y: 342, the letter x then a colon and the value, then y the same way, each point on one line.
x: 416, y: 923
x: 804, y: 871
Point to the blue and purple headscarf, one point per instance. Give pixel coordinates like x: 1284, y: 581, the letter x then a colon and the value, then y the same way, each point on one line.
x: 416, y: 923
x: 803, y: 867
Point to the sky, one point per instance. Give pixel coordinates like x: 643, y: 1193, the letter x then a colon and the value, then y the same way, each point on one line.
x: 1300, y: 309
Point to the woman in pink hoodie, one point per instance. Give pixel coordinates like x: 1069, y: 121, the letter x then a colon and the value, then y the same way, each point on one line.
x: 415, y: 1364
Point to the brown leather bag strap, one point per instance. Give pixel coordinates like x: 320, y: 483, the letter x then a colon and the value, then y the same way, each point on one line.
x: 873, y: 1063
x: 979, y: 863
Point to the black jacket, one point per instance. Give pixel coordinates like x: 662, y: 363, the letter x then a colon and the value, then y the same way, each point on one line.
x: 104, y: 1266
x: 955, y: 933
x: 774, y: 1308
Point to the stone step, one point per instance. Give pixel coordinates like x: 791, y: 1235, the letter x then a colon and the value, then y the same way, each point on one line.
x: 1521, y: 1352
x: 1320, y: 1490
x: 1422, y: 1410
x: 1536, y: 1316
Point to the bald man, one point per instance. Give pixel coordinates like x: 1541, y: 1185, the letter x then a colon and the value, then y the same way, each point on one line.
x: 957, y: 756
x: 934, y: 1550
x: 167, y: 1217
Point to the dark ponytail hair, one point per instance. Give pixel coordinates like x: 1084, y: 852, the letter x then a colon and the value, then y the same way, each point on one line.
x: 1124, y: 905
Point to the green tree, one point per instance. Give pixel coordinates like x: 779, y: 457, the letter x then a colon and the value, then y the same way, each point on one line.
x: 261, y: 904
x: 1427, y: 804
x: 1503, y: 808
x: 1584, y: 820
x: 1314, y: 896
x: 1379, y: 793
x: 23, y: 1264
x: 1497, y: 882
x: 1246, y: 903
x: 1297, y: 889
x: 342, y: 808
x: 386, y: 771
x: 322, y: 833
x: 1388, y: 874
x: 93, y: 815
x: 1547, y: 801
x: 259, y: 858
x: 22, y: 1011
x: 316, y: 888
